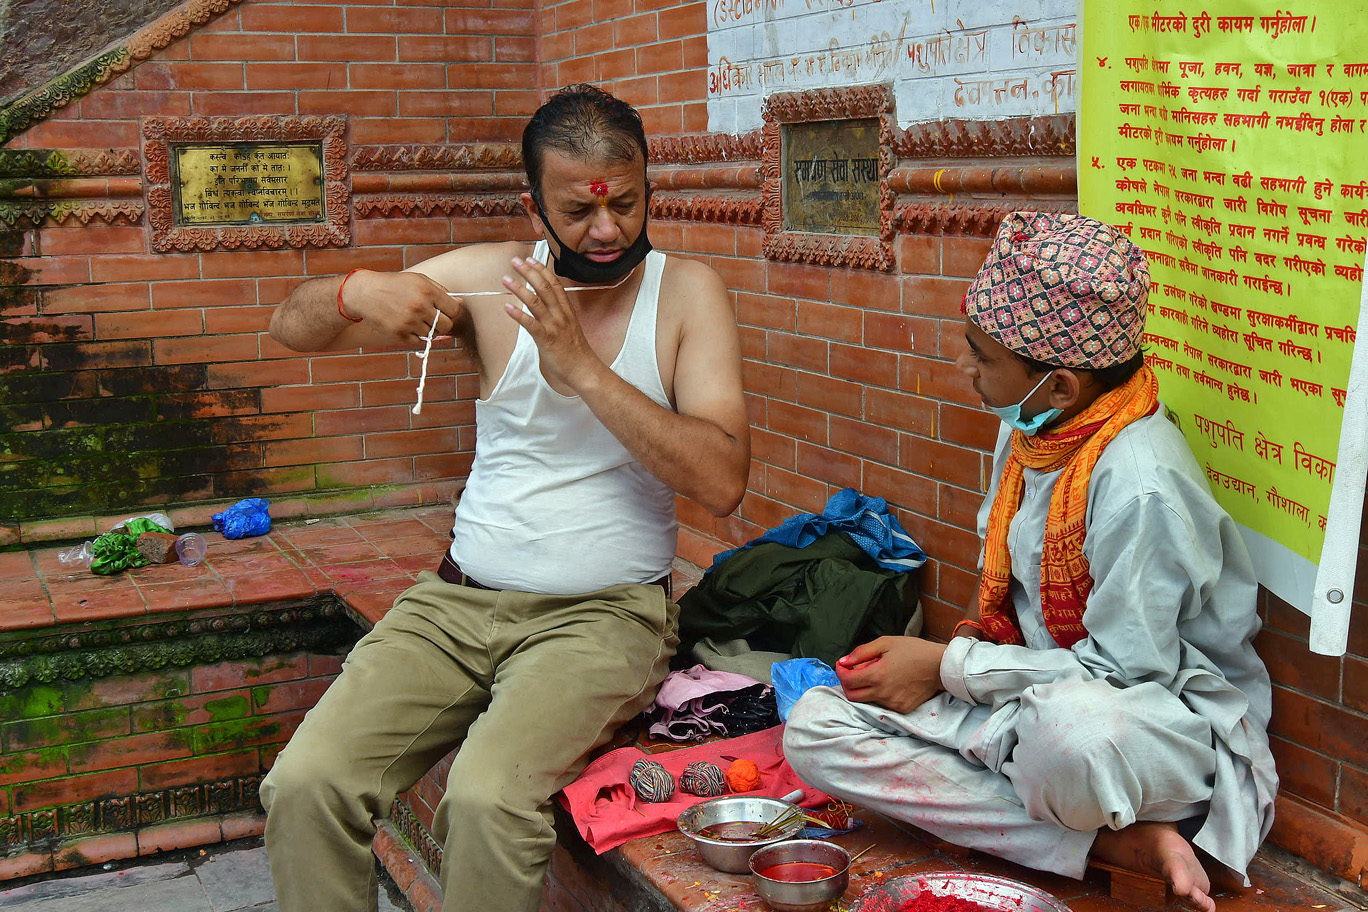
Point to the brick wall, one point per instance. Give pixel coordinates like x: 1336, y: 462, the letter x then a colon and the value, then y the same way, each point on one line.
x: 120, y: 766
x: 849, y: 372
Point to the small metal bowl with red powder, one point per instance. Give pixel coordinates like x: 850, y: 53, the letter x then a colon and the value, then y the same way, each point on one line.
x: 955, y: 891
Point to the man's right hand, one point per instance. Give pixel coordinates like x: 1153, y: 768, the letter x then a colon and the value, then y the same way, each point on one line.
x: 897, y: 672
x: 400, y: 306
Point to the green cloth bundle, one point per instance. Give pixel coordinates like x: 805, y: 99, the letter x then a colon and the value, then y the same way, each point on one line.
x: 117, y: 549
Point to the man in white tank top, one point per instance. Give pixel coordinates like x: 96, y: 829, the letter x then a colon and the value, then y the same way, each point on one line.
x: 610, y: 382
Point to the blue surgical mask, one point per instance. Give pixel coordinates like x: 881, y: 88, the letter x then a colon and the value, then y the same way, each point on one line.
x: 1011, y: 414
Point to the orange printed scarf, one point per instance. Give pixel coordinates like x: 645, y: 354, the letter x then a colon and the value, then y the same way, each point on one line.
x: 1065, y: 580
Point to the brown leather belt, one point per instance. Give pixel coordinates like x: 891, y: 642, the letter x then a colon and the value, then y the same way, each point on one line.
x: 451, y: 572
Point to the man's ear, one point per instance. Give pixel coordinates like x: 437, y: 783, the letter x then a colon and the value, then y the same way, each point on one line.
x: 529, y: 204
x: 1065, y: 388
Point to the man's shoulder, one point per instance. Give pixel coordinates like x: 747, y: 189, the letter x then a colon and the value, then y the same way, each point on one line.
x: 692, y: 286
x: 1150, y: 457
x: 473, y: 262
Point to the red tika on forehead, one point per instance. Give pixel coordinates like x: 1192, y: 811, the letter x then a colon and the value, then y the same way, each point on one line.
x: 599, y: 188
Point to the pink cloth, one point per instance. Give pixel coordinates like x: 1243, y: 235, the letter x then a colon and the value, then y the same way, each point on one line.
x: 679, y: 687
x: 608, y: 813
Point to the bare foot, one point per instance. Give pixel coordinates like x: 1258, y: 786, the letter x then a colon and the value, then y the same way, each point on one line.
x: 1158, y: 849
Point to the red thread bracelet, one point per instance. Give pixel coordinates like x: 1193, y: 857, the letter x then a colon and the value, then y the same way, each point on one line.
x: 966, y: 622
x: 340, y: 309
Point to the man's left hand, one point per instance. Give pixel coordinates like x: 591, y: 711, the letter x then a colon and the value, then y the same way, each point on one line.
x: 896, y: 672
x: 564, y: 352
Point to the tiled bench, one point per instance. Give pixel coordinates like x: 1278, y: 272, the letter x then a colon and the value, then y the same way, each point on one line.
x: 169, y: 691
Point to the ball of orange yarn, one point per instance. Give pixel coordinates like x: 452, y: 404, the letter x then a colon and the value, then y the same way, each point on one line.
x: 743, y: 776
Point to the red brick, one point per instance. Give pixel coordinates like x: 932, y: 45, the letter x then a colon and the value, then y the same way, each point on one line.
x: 360, y: 421
x: 366, y: 472
x: 1304, y: 773
x: 207, y: 45
x: 664, y: 56
x: 796, y: 421
x: 1355, y: 676
x: 477, y: 21
x: 309, y: 397
x: 1353, y: 800
x: 283, y: 17
x: 805, y: 495
x: 935, y: 460
x: 701, y: 237
x: 816, y: 391
x: 937, y: 379
x: 93, y: 850
x: 231, y: 320
x: 199, y: 769
x: 949, y: 543
x: 964, y: 256
x: 26, y: 766
x: 682, y: 86
x: 397, y: 75
x: 797, y: 351
x: 311, y: 451
x: 769, y: 380
x: 258, y: 374
x: 67, y: 328
x: 296, y: 695
x: 774, y: 449
x: 968, y: 427
x: 932, y: 296
x: 159, y: 74
x: 902, y: 488
x: 833, y: 467
x: 50, y: 270
x: 683, y: 21
x: 863, y: 365
x: 405, y: 20
x: 515, y: 49
x: 1292, y: 664
x: 829, y: 321
x: 410, y: 231
x: 346, y: 48
x: 864, y: 439
x: 332, y: 368
x: 460, y: 102
x: 143, y: 267
x: 203, y: 293
x: 870, y: 290
x: 813, y: 282
x: 918, y: 254
x: 272, y: 729
x: 266, y: 75
x: 249, y: 672
x: 1320, y: 726
x: 92, y: 239
x: 148, y: 324
x: 902, y: 333
x: 25, y: 865
x: 201, y: 350
x: 443, y: 465
x: 227, y: 104
x: 903, y: 411
x: 96, y: 298
x: 445, y: 48
x: 367, y: 130
x: 103, y: 104
x: 407, y: 443
x: 129, y: 750
x: 959, y: 506
x: 74, y: 789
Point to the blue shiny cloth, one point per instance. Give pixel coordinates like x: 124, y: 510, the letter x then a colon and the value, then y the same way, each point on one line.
x: 865, y: 519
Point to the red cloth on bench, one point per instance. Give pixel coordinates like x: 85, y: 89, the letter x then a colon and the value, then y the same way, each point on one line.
x: 608, y: 812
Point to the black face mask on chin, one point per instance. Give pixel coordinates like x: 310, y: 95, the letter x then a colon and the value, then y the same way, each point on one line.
x: 579, y: 268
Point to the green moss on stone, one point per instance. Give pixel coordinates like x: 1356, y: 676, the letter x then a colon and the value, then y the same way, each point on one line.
x: 228, y: 708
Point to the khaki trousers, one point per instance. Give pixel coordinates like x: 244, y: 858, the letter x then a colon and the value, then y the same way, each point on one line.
x: 524, y: 685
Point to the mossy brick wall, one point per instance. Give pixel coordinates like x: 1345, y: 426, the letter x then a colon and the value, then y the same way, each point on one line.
x: 150, y: 378
x: 115, y: 755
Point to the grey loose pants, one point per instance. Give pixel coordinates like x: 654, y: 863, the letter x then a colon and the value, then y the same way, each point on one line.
x: 525, y: 685
x: 1032, y: 781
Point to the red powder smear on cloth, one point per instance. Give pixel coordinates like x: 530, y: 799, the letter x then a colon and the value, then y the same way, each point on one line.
x: 930, y: 902
x: 743, y: 776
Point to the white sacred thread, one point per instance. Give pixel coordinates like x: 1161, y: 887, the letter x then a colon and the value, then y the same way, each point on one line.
x: 427, y: 350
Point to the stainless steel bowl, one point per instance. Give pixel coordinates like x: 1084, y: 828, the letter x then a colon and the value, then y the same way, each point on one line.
x: 732, y: 855
x: 808, y: 895
x: 896, y: 893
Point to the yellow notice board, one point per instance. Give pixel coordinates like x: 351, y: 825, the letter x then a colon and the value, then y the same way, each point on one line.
x: 1229, y: 140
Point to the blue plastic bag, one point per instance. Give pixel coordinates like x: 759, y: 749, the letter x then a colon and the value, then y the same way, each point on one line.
x: 244, y: 519
x: 793, y: 677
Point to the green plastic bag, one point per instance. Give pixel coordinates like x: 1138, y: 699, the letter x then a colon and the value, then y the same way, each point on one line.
x: 117, y: 549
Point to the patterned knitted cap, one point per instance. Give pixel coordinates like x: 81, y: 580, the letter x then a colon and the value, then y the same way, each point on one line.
x: 1063, y: 289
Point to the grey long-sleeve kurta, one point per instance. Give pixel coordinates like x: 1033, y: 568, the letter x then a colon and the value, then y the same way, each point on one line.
x: 1173, y: 604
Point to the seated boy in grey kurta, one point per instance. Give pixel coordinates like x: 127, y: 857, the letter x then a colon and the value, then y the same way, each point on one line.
x: 1103, y: 697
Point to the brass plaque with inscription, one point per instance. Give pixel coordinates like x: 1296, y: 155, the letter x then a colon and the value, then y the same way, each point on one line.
x: 831, y: 176
x: 247, y: 183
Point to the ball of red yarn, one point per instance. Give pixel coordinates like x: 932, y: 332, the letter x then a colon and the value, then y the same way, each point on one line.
x: 743, y: 776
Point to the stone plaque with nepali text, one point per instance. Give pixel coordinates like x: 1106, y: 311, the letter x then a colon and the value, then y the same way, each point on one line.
x: 831, y: 176
x: 247, y: 183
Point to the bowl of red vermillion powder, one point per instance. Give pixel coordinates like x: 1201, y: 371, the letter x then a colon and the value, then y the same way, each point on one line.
x: 800, y: 875
x: 955, y: 891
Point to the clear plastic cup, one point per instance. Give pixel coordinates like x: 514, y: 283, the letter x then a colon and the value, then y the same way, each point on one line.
x: 191, y: 548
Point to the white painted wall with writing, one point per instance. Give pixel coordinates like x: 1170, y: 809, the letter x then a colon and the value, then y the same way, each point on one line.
x: 946, y: 59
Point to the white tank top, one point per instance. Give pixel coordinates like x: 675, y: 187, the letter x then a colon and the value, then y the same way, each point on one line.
x: 554, y: 503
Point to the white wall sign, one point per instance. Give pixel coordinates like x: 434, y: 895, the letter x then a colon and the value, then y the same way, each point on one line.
x: 971, y: 59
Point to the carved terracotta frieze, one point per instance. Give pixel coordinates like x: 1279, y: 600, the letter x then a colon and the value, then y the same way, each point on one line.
x: 66, y: 213
x: 159, y: 135
x: 49, y: 163
x: 422, y: 206
x: 502, y: 156
x: 975, y: 220
x: 706, y: 147
x: 1014, y: 136
x: 865, y: 252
